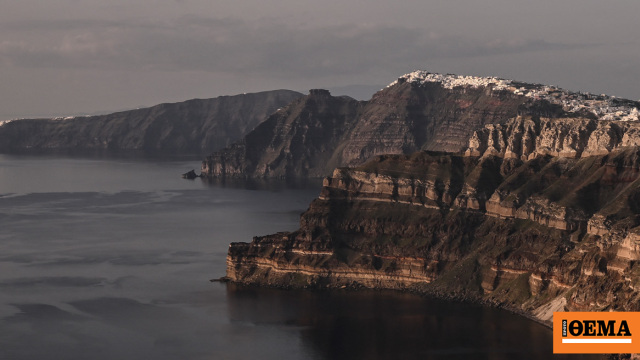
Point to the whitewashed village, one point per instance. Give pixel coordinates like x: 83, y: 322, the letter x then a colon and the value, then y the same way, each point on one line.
x: 604, y: 107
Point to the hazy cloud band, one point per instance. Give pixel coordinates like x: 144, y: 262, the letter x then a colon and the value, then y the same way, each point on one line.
x: 237, y: 46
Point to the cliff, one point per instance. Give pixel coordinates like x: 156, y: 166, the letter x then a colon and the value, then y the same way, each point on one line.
x: 406, y: 117
x: 319, y: 132
x: 195, y: 126
x: 526, y: 137
x: 297, y: 140
x: 536, y: 235
x: 419, y: 111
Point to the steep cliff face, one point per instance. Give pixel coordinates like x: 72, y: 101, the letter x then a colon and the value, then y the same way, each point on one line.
x: 312, y: 136
x: 298, y: 140
x: 194, y: 126
x: 427, y: 111
x: 527, y: 137
x: 538, y: 235
x: 407, y: 117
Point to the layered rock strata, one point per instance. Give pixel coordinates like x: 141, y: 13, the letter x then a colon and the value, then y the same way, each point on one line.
x: 537, y: 235
x: 296, y: 141
x: 426, y: 111
x: 527, y: 137
x: 319, y: 132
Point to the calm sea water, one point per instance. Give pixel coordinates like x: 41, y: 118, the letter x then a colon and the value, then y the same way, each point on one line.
x: 111, y: 259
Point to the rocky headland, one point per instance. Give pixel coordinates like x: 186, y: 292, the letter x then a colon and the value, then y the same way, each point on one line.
x: 523, y: 196
x: 196, y: 126
x: 536, y: 233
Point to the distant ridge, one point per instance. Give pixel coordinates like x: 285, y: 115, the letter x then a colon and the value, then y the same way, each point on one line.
x: 196, y: 126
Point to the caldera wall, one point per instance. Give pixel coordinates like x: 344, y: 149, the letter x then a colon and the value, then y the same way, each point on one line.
x: 536, y: 235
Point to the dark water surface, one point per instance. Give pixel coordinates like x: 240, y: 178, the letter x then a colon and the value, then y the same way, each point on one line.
x: 111, y: 259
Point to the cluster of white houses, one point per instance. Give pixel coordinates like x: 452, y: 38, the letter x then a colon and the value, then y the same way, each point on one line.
x: 603, y: 106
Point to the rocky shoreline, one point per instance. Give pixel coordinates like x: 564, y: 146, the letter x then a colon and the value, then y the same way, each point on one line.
x: 440, y: 294
x: 530, y: 236
x: 470, y: 299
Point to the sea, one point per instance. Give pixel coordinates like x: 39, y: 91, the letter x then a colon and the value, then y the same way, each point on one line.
x: 112, y: 257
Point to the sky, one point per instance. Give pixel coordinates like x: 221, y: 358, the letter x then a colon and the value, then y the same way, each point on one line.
x: 72, y: 57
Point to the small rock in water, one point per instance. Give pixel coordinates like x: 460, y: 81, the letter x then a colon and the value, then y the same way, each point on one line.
x: 190, y: 175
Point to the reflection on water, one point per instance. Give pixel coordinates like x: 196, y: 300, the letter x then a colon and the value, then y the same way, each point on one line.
x: 263, y: 184
x: 390, y: 325
x: 111, y: 259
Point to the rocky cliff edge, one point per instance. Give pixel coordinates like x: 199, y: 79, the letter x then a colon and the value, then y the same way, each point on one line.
x: 538, y: 235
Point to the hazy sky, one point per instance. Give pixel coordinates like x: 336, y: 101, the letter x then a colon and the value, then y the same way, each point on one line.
x: 82, y: 56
